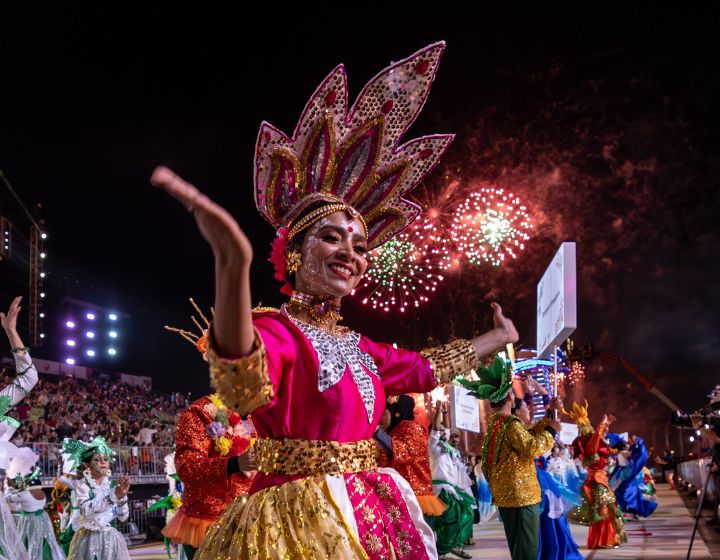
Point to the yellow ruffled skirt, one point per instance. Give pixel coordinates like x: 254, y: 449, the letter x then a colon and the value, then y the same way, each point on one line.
x: 296, y: 520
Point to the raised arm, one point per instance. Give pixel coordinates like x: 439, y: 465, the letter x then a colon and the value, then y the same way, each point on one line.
x: 502, y: 333
x: 232, y: 326
x: 27, y: 375
x: 9, y: 324
x: 460, y: 356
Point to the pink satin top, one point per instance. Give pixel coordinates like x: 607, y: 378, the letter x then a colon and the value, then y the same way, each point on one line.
x: 300, y: 410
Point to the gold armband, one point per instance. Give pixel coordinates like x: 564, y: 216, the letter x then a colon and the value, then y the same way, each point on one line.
x: 243, y: 384
x: 450, y: 360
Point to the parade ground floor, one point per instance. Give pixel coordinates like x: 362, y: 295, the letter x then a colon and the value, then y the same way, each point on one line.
x: 664, y: 535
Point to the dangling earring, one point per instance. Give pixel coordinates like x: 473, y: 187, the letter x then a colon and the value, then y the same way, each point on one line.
x: 293, y: 261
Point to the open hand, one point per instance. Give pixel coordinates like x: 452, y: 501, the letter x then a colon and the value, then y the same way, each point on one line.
x: 228, y: 242
x: 9, y: 320
x: 122, y: 488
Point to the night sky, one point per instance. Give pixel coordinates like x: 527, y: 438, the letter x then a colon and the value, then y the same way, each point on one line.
x: 604, y: 123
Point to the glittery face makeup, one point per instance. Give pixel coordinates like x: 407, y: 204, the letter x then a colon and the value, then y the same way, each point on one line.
x: 99, y: 464
x: 333, y: 257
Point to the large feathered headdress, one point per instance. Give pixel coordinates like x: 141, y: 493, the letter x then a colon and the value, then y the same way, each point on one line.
x: 352, y: 158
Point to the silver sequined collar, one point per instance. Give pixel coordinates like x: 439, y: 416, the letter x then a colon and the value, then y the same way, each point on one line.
x: 335, y: 354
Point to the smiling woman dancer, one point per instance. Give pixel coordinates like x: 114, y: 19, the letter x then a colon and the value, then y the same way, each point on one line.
x: 317, y: 389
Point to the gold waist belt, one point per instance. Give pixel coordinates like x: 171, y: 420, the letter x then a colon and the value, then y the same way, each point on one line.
x: 312, y: 457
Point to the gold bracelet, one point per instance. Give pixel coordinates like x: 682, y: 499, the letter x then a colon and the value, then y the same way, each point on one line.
x: 450, y: 360
x: 243, y: 384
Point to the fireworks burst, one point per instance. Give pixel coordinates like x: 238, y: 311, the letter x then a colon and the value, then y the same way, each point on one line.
x: 405, y: 271
x: 490, y: 225
x: 576, y: 374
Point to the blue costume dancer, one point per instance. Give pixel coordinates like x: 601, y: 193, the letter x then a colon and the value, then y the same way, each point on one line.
x: 556, y: 540
x: 624, y: 481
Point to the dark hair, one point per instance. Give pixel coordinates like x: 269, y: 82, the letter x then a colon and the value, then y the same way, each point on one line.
x: 501, y: 402
x: 402, y: 409
x: 517, y: 404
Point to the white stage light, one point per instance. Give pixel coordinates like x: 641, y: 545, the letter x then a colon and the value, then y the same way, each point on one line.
x: 112, y: 351
x: 90, y: 334
x: 112, y: 334
x: 90, y: 353
x: 70, y: 325
x: 90, y: 316
x: 70, y: 361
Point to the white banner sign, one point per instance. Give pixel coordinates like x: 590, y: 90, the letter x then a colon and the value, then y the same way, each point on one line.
x: 46, y: 366
x: 568, y: 433
x: 464, y: 411
x: 557, y: 301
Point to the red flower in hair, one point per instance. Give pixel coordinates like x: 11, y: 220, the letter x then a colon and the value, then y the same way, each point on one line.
x: 278, y: 257
x: 233, y: 418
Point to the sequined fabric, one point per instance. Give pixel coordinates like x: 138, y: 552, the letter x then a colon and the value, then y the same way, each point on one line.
x: 207, y: 491
x: 9, y: 538
x: 509, y: 451
x: 384, y: 524
x: 599, y: 509
x: 299, y: 410
x: 410, y: 456
x: 294, y: 521
x: 354, y: 155
x: 450, y: 360
x: 87, y: 544
x: 37, y: 532
x: 243, y: 383
x: 337, y: 353
x: 314, y: 457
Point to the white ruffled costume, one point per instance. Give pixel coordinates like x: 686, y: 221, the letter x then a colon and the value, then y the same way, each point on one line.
x: 11, y: 546
x: 95, y: 538
x: 35, y: 527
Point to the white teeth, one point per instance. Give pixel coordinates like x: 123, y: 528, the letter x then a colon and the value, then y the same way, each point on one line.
x: 341, y: 269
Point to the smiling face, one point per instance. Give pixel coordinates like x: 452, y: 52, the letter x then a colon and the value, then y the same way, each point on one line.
x: 523, y: 412
x: 333, y: 257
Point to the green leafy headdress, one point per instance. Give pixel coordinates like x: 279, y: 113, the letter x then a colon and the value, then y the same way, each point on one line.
x: 494, y: 384
x: 75, y: 452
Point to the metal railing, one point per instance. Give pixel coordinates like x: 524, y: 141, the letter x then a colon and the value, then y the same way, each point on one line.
x: 143, y: 464
x: 695, y: 474
x: 141, y: 527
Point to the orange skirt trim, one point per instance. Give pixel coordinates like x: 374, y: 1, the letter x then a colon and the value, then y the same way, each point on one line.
x: 182, y: 529
x: 430, y: 504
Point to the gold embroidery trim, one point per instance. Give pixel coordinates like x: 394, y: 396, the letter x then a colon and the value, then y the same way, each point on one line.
x: 243, y: 384
x: 450, y: 360
x: 314, y: 457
